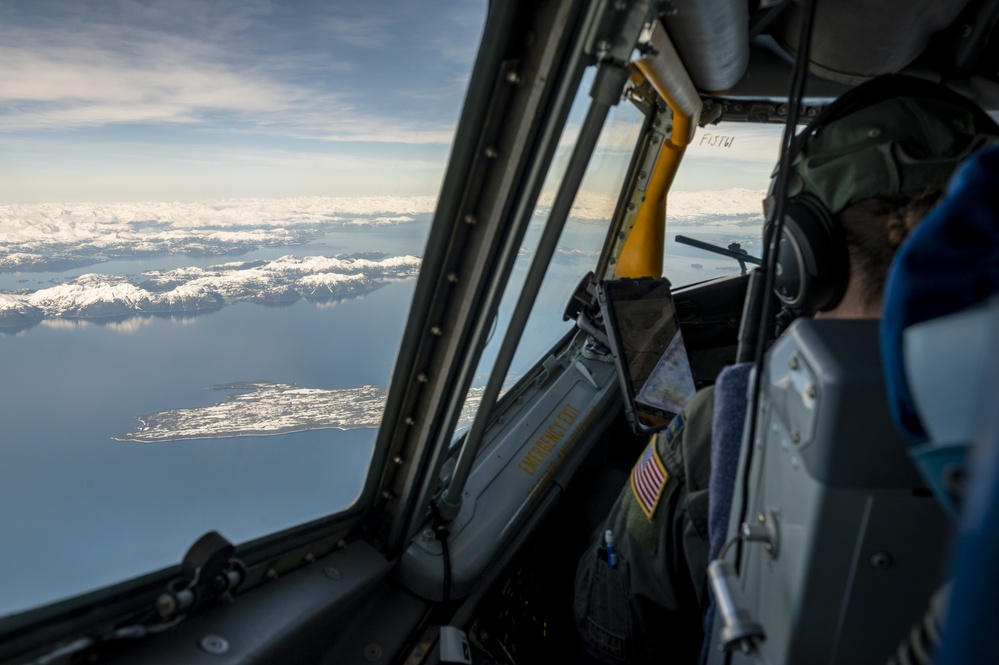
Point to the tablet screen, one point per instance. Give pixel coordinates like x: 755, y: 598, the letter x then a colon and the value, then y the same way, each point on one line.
x: 648, y: 349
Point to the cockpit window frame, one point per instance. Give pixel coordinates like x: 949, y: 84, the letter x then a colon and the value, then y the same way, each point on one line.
x: 515, y: 110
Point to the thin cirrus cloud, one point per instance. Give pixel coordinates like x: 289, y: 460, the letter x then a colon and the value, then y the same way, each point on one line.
x: 70, y: 87
x: 116, y: 99
x: 257, y: 73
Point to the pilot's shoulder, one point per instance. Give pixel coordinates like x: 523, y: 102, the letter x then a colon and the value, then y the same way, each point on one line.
x: 692, y: 425
x: 685, y: 445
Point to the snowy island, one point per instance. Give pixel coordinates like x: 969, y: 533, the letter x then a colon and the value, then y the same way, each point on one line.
x: 57, y: 237
x: 261, y: 408
x: 282, y: 280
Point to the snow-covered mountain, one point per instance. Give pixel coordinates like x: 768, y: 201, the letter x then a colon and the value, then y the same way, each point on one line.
x: 286, y: 279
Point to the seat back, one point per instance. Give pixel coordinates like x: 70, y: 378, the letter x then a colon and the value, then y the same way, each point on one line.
x: 859, y: 542
x: 938, y: 333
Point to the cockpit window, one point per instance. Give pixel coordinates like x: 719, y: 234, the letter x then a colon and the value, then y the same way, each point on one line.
x: 580, y: 243
x: 717, y: 198
x: 211, y: 218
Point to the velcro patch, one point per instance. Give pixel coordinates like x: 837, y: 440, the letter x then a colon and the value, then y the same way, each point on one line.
x: 674, y: 427
x: 648, y: 479
x: 604, y: 641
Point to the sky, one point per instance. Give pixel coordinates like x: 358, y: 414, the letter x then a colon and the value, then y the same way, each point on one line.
x: 185, y: 100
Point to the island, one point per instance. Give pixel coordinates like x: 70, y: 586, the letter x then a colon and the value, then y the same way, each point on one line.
x: 191, y: 290
x: 262, y: 408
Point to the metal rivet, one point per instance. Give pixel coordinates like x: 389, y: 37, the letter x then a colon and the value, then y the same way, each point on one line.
x: 881, y: 560
x: 409, y: 420
x: 654, y: 139
x: 452, y: 277
x: 397, y: 460
x: 341, y: 544
x: 793, y: 362
x: 214, y: 644
x: 631, y: 206
x: 491, y: 152
x: 422, y: 377
x: 470, y: 219
x: 643, y: 175
x: 271, y: 574
x: 166, y: 605
x: 332, y: 573
x: 372, y: 653
x: 874, y: 132
x: 436, y: 330
x: 309, y: 557
x: 513, y: 78
x: 795, y: 437
x: 428, y: 534
x: 388, y: 495
x: 812, y: 391
x: 761, y: 518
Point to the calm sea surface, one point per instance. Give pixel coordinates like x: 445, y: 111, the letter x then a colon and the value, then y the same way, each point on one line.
x: 79, y: 510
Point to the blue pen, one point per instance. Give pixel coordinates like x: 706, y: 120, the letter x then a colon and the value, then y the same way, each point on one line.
x: 609, y: 548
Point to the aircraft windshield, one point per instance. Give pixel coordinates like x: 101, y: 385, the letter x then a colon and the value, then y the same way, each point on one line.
x: 581, y: 240
x: 211, y: 218
x: 717, y: 197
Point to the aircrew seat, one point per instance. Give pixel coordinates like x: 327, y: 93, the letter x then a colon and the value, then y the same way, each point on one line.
x: 847, y: 542
x: 938, y: 336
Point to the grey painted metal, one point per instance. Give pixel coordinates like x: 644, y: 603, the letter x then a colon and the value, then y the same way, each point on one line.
x: 280, y: 621
x: 607, y: 89
x: 712, y: 37
x: 540, y: 442
x: 492, y: 286
x: 666, y: 63
x: 513, y: 129
x: 861, y: 545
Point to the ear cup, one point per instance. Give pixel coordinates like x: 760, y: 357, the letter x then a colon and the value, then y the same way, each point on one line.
x: 812, y: 262
x: 813, y: 266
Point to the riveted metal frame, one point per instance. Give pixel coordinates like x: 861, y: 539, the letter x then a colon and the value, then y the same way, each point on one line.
x: 518, y: 100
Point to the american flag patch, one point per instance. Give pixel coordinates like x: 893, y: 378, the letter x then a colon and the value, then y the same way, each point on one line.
x: 648, y: 479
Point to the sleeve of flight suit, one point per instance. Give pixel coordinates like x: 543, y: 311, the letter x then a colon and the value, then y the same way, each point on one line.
x: 648, y: 608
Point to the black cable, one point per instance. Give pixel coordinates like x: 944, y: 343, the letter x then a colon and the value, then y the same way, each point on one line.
x: 799, y: 76
x: 442, y: 533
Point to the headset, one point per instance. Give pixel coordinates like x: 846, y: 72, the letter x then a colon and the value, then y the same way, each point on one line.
x: 813, y: 265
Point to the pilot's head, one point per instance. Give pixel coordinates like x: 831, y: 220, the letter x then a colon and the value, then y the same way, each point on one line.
x: 863, y: 173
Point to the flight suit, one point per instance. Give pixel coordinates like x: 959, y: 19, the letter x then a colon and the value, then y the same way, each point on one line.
x: 648, y: 607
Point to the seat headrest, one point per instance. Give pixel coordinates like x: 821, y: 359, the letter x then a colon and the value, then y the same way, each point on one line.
x: 949, y: 263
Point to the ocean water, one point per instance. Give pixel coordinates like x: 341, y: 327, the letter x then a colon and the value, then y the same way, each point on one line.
x: 79, y: 510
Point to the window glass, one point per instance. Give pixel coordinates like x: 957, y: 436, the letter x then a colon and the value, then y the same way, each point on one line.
x: 211, y: 218
x: 717, y: 197
x: 581, y: 240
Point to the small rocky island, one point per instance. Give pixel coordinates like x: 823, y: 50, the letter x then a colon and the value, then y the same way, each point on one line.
x: 261, y: 408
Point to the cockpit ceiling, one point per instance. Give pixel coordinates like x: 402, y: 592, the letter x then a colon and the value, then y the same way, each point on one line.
x: 737, y: 51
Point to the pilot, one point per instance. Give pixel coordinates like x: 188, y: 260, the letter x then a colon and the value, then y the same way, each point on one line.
x: 877, y: 160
